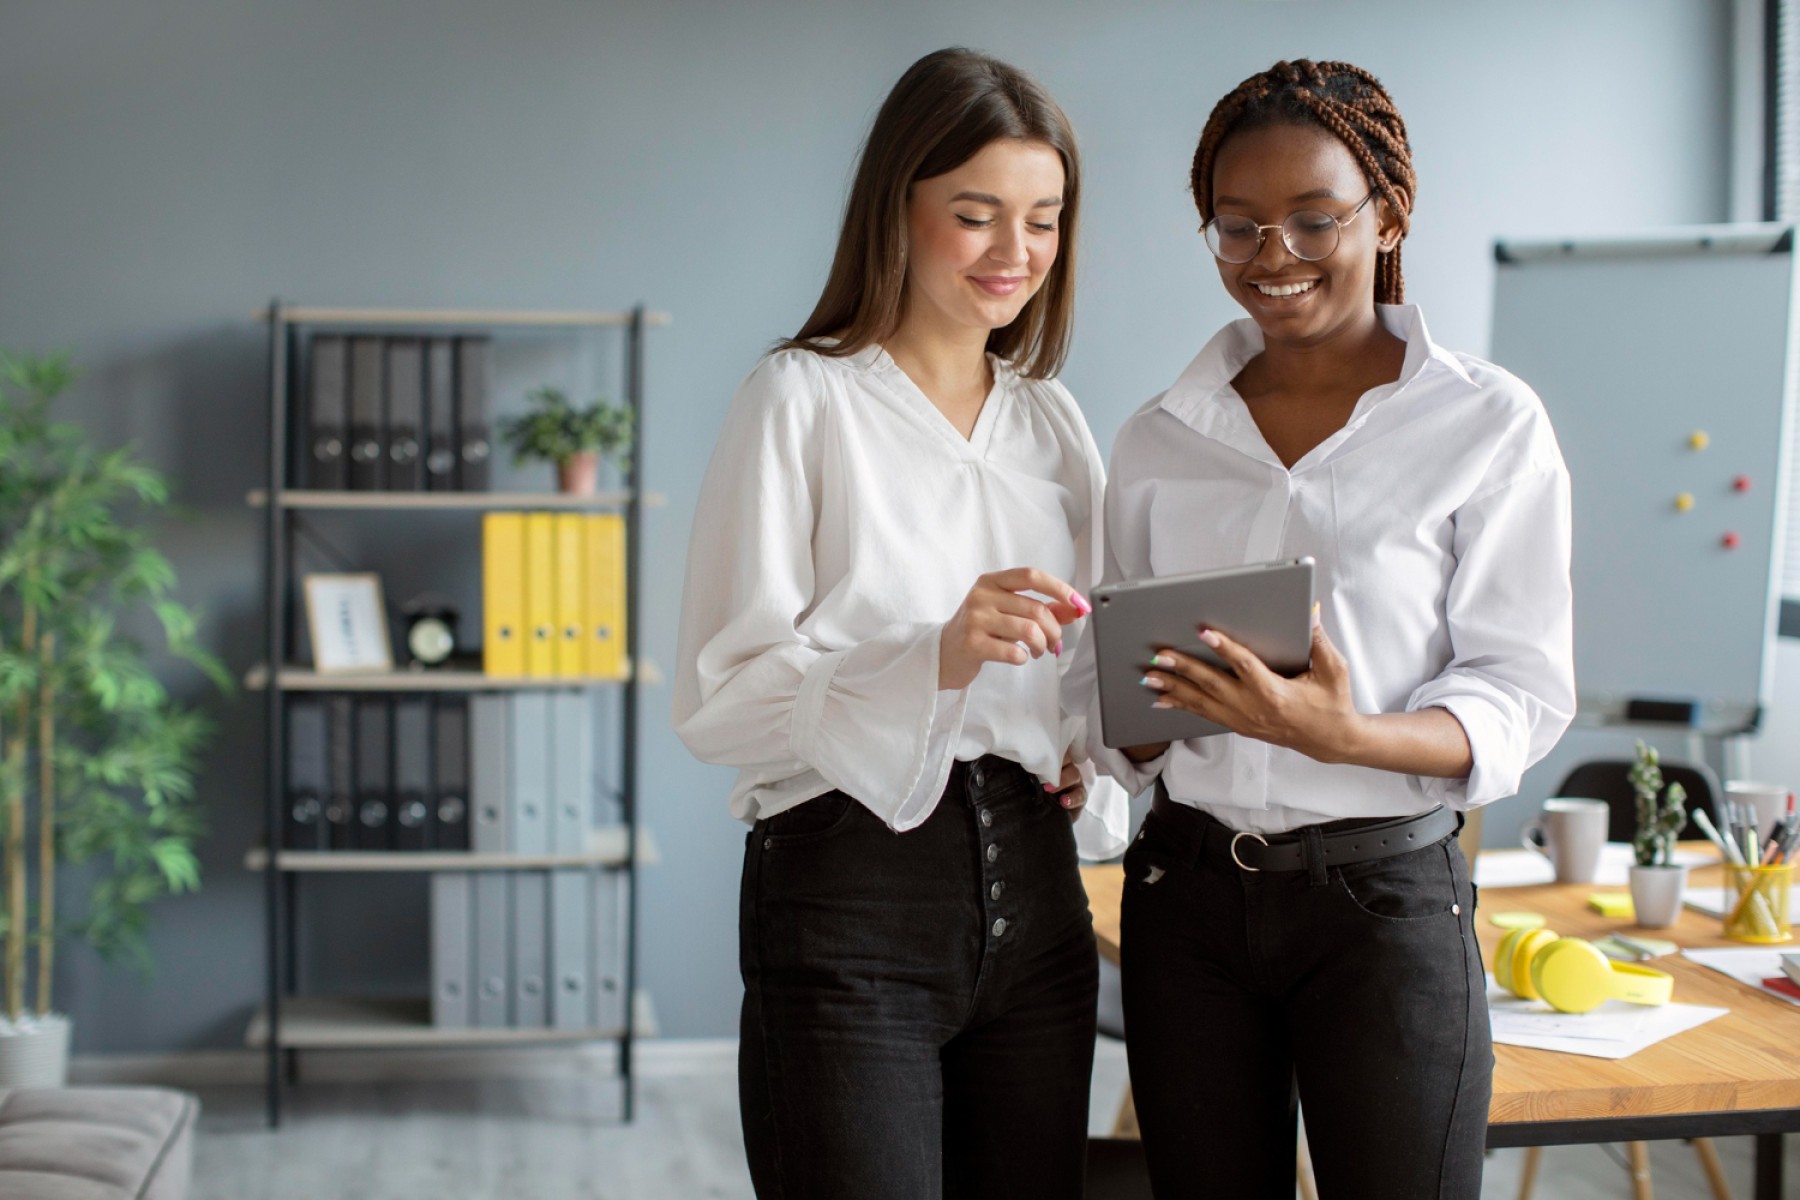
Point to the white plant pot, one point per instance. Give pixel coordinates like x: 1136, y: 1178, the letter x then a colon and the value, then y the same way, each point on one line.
x: 34, y: 1052
x: 1656, y: 894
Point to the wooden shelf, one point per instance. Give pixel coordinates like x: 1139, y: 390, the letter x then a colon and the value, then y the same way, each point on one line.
x: 342, y: 1022
x: 606, y: 849
x: 449, y: 317
x: 300, y: 498
x: 305, y: 679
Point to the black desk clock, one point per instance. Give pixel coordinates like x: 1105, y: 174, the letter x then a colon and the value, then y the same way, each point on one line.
x: 430, y: 630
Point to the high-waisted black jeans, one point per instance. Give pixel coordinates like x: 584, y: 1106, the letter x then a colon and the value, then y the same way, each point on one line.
x: 918, y: 1012
x: 1361, y: 987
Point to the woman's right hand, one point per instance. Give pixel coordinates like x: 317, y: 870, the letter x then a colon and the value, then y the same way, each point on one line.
x: 996, y: 623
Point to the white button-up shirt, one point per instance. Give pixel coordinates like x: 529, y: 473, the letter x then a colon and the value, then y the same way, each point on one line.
x: 1439, y: 520
x: 842, y: 521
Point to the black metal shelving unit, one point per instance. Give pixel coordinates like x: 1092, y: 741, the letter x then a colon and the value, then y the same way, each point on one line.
x: 288, y: 1022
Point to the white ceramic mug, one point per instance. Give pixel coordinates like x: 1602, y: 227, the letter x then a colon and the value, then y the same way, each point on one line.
x: 1570, y: 833
x: 1768, y: 800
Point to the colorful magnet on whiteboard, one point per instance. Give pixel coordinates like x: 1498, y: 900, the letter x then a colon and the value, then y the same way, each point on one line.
x: 1684, y: 502
x: 1741, y: 484
x: 1698, y: 440
x: 1730, y: 541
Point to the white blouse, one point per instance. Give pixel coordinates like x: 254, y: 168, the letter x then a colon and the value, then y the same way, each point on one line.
x: 842, y: 521
x: 1439, y: 520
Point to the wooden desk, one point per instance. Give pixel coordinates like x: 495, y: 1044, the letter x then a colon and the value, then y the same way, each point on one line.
x: 1736, y: 1075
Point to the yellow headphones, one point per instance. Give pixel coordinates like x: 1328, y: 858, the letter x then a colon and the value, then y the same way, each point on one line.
x: 1571, y: 975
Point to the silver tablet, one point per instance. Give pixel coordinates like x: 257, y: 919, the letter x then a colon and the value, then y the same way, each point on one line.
x: 1267, y: 607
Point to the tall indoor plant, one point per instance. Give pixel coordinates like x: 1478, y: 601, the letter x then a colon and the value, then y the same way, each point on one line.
x: 96, y: 761
x: 1657, y: 879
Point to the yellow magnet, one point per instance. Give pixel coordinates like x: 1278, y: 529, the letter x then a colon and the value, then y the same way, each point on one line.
x: 1698, y: 440
x: 1684, y: 501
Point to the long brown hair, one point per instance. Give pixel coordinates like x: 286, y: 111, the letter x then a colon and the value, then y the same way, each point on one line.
x: 945, y: 109
x: 1346, y: 101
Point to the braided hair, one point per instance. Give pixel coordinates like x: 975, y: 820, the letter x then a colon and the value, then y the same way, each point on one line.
x: 1347, y: 102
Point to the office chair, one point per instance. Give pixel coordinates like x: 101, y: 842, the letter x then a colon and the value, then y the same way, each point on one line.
x: 1609, y: 780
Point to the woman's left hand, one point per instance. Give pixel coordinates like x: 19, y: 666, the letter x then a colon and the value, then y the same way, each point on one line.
x: 1313, y: 713
x: 1070, y: 793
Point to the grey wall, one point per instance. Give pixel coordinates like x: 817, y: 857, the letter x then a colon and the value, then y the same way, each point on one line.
x: 168, y: 166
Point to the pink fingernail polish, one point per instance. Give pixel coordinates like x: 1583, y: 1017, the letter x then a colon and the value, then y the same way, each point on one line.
x: 1165, y: 702
x: 1081, y: 604
x: 1057, y: 649
x: 1066, y: 802
x: 1209, y: 637
x: 1049, y: 787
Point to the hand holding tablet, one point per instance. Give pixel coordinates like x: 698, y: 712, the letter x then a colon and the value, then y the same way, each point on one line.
x: 1264, y: 612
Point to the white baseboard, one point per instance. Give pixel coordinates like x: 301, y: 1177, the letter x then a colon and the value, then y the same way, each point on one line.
x: 653, y: 1058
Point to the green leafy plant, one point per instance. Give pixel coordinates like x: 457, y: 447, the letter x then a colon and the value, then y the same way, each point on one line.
x: 93, y: 751
x: 1660, y: 813
x: 555, y: 431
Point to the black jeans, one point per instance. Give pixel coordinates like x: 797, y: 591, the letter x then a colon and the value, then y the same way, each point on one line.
x: 1360, y: 988
x: 918, y: 1012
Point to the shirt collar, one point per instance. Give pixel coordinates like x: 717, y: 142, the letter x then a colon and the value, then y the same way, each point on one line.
x: 1195, y: 397
x: 874, y: 357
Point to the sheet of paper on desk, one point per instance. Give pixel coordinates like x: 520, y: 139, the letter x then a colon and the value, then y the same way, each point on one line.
x: 1614, y: 1030
x: 1528, y: 868
x: 1751, y: 965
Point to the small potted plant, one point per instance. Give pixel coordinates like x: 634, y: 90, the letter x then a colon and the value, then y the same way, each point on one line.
x: 575, y: 439
x: 1657, y: 880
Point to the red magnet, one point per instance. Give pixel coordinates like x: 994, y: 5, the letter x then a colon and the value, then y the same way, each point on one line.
x: 1730, y: 541
x: 1741, y: 484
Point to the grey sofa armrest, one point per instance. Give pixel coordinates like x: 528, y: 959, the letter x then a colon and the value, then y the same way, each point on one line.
x: 96, y: 1143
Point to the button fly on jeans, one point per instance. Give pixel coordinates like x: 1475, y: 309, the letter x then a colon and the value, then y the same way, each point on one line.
x: 993, y: 853
x: 995, y: 891
x: 987, y: 819
x: 999, y: 926
x: 976, y: 778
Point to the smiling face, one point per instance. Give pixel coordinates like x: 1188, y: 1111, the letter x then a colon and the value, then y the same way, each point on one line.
x: 1266, y: 174
x: 982, y: 237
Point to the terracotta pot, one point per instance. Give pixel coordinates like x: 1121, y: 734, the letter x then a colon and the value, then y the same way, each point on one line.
x: 576, y: 476
x: 1656, y: 894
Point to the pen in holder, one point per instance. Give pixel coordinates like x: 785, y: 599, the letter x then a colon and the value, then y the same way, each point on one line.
x: 1757, y: 910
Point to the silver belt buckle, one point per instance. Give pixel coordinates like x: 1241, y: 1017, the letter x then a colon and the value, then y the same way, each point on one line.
x: 1245, y: 833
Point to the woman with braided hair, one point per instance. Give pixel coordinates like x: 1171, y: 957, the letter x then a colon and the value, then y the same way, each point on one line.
x: 1298, y: 921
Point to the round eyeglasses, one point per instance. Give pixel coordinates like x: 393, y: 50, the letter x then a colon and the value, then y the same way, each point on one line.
x: 1309, y: 234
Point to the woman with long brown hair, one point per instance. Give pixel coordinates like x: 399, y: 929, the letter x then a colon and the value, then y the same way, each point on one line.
x: 884, y: 585
x: 1298, y: 920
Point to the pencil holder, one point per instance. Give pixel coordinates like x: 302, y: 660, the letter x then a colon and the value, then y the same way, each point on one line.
x: 1757, y: 909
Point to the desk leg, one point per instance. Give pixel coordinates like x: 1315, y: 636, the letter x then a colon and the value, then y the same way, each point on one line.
x: 1125, y: 1125
x: 1768, y: 1166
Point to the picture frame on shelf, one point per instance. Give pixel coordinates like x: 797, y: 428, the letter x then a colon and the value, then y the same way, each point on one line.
x: 347, y: 621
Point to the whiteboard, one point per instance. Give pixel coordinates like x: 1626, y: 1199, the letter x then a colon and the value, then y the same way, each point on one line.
x: 1636, y: 345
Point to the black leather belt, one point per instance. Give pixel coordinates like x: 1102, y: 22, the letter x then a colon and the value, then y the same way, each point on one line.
x: 1339, y: 843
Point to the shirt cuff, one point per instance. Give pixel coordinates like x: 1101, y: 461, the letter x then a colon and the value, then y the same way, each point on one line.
x: 1133, y: 777
x: 1499, y: 760
x: 872, y: 722
x: 1104, y: 826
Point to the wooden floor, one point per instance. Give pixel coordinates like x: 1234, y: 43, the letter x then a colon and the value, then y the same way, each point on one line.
x: 548, y: 1138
